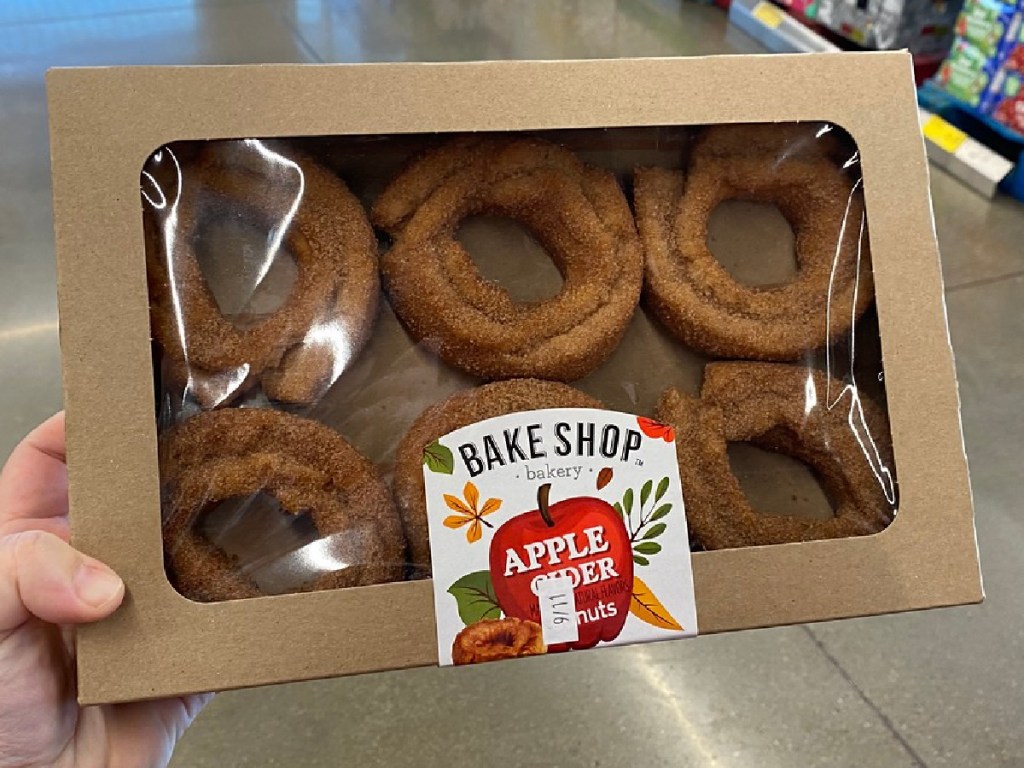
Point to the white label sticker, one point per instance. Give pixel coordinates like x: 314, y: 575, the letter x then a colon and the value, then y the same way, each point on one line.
x: 576, y: 502
x: 982, y: 159
x: 557, y: 610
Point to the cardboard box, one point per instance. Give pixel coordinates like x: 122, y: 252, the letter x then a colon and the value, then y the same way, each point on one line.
x: 105, y: 122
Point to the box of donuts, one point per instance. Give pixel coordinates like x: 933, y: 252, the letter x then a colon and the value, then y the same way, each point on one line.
x: 515, y: 359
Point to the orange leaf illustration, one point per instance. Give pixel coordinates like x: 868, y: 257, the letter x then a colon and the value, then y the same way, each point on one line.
x: 646, y: 607
x: 472, y: 495
x: 491, y: 505
x: 470, y: 511
x: 656, y: 429
x: 455, y: 504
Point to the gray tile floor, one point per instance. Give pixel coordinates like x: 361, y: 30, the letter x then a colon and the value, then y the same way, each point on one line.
x: 932, y: 689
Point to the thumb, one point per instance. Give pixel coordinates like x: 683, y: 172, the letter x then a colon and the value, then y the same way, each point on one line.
x: 43, y: 576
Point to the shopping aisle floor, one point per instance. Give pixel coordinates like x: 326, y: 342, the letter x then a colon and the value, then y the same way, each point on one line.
x: 931, y: 689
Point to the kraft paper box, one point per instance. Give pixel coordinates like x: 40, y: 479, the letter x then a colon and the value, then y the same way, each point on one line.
x: 107, y: 124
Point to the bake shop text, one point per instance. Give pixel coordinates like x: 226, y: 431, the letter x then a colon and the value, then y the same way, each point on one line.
x: 562, y: 439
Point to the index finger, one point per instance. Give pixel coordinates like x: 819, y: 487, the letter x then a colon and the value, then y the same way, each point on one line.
x: 34, y: 482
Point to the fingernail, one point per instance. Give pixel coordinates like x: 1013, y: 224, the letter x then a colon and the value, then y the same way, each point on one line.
x: 97, y: 585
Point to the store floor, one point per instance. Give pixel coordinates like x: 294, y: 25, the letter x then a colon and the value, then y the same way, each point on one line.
x: 943, y: 688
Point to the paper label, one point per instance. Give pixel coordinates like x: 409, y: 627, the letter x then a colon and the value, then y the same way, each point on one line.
x: 982, y: 159
x: 947, y: 137
x: 557, y: 610
x: 556, y: 530
x: 768, y: 14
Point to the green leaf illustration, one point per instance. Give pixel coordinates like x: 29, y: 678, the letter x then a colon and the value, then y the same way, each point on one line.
x: 627, y: 501
x: 647, y: 548
x: 645, y: 493
x: 654, y: 531
x: 660, y: 512
x: 662, y: 487
x: 618, y: 508
x: 475, y: 596
x: 641, y: 560
x: 438, y: 458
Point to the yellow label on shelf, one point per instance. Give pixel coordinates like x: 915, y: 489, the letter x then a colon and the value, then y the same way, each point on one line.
x: 947, y: 137
x: 768, y: 14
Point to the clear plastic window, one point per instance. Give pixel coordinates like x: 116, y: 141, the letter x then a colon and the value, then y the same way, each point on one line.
x: 315, y: 302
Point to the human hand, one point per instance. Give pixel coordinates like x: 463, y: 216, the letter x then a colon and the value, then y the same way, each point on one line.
x: 46, y: 587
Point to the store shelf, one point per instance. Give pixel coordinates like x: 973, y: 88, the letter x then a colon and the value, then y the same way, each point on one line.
x: 968, y: 160
x: 992, y: 134
x: 775, y: 29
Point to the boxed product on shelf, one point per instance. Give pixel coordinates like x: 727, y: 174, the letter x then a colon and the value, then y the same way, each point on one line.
x: 984, y: 64
x: 526, y: 358
x: 992, y: 26
x: 807, y: 9
x: 1006, y: 99
x: 968, y: 74
x: 1014, y: 60
x: 923, y: 27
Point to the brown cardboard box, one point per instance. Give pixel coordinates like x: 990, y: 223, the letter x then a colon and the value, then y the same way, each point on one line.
x: 105, y: 122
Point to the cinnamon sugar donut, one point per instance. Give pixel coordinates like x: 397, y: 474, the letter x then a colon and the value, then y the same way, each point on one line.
x: 696, y: 298
x: 305, y: 466
x: 302, y: 347
x: 790, y: 410
x: 577, y: 212
x: 460, y: 410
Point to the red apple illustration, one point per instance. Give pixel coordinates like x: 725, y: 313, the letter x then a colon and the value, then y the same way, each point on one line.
x: 582, y: 538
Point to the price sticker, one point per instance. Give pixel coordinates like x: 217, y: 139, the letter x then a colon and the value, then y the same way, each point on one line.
x: 945, y: 136
x: 557, y: 610
x: 769, y: 15
x: 984, y: 160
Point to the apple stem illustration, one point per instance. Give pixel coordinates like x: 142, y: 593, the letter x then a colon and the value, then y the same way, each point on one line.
x: 543, y: 497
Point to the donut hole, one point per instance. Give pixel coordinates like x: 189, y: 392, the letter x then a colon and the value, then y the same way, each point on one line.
x: 504, y: 637
x: 260, y: 535
x: 776, y: 484
x: 248, y: 273
x: 507, y: 253
x: 753, y: 242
